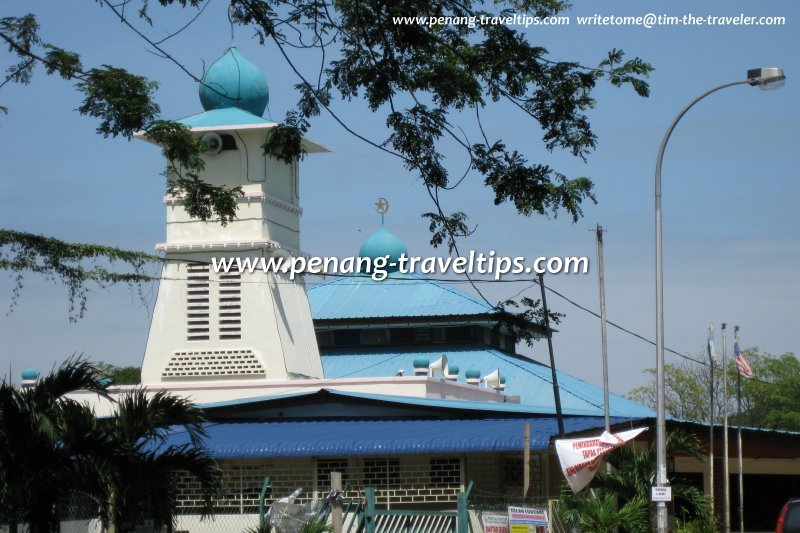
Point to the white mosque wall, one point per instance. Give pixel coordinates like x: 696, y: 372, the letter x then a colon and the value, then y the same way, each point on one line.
x: 209, y: 326
x: 228, y: 390
x: 269, y: 209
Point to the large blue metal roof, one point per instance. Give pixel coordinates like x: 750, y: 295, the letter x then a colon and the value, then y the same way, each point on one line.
x: 331, y: 438
x: 530, y: 380
x: 399, y: 295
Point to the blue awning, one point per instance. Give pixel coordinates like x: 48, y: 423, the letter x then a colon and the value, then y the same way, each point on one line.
x: 332, y: 438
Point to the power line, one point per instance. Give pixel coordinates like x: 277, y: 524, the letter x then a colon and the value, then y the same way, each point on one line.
x: 424, y: 280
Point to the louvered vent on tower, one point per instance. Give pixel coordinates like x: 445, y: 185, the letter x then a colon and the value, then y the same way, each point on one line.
x: 197, y: 303
x: 230, y: 305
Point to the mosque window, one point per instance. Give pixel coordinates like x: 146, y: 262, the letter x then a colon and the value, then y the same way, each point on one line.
x: 347, y: 337
x: 422, y: 335
x: 381, y: 472
x: 324, y: 339
x: 373, y: 337
x: 324, y: 469
x: 459, y: 335
x: 513, y: 468
x: 197, y: 303
x: 228, y: 142
x: 445, y: 471
x: 514, y: 472
x: 402, y: 335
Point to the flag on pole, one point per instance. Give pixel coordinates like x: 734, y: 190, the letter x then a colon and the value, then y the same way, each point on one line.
x: 741, y: 362
x: 712, y: 353
x: 580, y: 458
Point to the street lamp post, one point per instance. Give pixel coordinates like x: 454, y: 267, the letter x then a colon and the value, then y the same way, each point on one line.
x: 766, y: 78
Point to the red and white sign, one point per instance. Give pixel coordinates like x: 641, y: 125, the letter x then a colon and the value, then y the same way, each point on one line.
x: 494, y: 522
x: 580, y: 457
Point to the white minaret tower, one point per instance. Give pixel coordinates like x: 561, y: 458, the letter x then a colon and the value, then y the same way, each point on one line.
x: 211, y: 326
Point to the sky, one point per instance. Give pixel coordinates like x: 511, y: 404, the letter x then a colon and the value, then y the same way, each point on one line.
x: 730, y: 192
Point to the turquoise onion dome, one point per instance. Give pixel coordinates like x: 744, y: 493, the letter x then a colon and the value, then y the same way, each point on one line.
x: 233, y: 81
x: 30, y: 374
x: 384, y: 243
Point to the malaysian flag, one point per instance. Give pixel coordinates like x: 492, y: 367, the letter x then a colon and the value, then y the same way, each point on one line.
x: 741, y: 362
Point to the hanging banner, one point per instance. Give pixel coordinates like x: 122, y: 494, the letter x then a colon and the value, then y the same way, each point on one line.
x: 526, y: 519
x: 580, y: 458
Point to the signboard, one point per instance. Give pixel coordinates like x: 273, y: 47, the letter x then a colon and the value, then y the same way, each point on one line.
x: 580, y: 458
x: 525, y: 519
x: 495, y: 522
x: 661, y: 494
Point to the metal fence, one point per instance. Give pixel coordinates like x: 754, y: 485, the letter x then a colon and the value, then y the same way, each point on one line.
x: 489, y: 503
x: 359, y: 510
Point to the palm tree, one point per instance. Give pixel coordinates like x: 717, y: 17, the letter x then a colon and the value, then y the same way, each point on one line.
x: 630, y: 481
x: 141, y: 473
x: 633, y: 471
x: 52, y: 447
x: 47, y: 445
x: 597, y: 512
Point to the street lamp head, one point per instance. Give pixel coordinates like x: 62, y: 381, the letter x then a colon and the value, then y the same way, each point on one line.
x: 766, y: 78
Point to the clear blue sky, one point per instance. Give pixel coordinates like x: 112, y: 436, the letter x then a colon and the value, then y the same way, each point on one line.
x: 730, y: 187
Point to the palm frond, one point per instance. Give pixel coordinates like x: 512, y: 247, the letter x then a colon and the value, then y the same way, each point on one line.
x: 74, y: 374
x: 148, y: 418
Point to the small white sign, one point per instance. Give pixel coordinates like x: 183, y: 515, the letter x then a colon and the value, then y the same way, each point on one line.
x: 661, y: 494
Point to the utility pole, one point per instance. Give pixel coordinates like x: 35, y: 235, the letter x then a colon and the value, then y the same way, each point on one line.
x: 603, y: 342
x: 725, y: 474
x: 336, y: 505
x: 526, y: 461
x: 556, y: 392
x: 712, y: 362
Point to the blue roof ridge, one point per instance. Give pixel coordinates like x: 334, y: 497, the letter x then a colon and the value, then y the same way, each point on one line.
x: 560, y: 385
x: 473, y: 298
x: 412, y: 277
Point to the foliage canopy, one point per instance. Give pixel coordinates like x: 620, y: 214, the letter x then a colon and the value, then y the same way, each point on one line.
x: 427, y: 83
x: 768, y: 401
x: 53, y: 448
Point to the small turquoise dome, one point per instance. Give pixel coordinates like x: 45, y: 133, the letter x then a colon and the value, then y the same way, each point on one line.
x: 30, y: 374
x: 384, y: 243
x: 472, y: 374
x: 503, y: 380
x: 452, y: 369
x: 233, y: 81
x: 421, y: 363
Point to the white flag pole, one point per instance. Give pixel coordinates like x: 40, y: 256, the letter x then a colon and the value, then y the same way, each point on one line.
x: 739, y: 433
x: 725, y: 473
x: 711, y: 361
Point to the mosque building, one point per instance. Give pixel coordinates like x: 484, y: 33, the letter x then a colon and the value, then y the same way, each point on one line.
x: 404, y: 384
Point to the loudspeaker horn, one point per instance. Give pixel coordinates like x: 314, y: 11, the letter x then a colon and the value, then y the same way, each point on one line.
x: 493, y: 379
x: 214, y: 142
x: 440, y: 366
x: 285, y: 257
